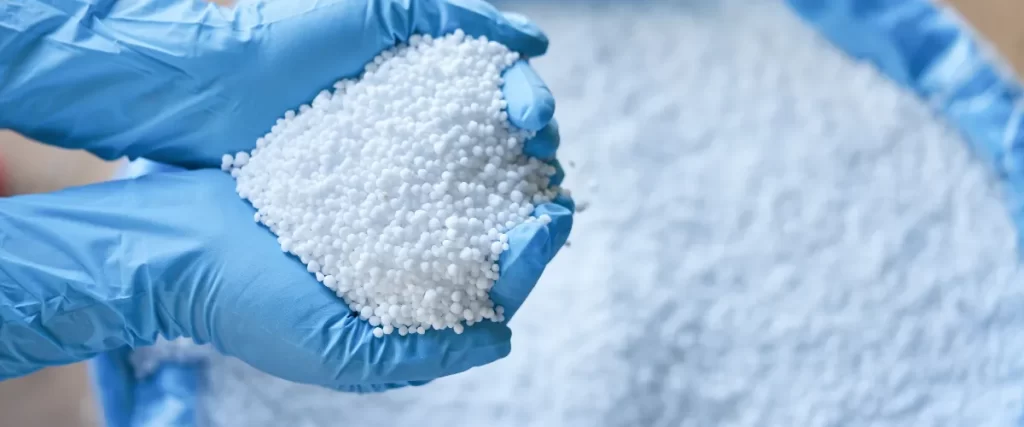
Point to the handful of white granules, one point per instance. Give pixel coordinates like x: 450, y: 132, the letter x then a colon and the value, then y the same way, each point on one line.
x: 396, y: 190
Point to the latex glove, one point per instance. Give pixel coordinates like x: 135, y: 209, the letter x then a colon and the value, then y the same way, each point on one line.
x: 184, y: 82
x: 94, y: 269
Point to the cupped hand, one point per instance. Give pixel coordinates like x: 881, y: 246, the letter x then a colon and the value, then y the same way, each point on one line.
x: 98, y: 268
x: 177, y: 254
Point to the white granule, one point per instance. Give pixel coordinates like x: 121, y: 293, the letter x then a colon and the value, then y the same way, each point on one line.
x: 397, y: 190
x: 782, y: 238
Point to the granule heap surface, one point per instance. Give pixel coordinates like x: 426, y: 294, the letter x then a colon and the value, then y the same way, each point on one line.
x: 396, y: 190
x: 778, y: 237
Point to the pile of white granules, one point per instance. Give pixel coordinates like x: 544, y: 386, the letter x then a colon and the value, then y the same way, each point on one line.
x: 396, y: 190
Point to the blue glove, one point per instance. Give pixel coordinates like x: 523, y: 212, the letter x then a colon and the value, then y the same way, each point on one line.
x: 184, y: 82
x: 104, y: 267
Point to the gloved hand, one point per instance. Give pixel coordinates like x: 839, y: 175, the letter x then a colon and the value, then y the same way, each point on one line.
x: 184, y: 82
x: 98, y: 268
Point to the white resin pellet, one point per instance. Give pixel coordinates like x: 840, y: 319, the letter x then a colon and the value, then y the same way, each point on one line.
x: 777, y: 237
x: 396, y: 189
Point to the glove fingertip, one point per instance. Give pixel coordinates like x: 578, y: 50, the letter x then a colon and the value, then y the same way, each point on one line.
x: 520, y: 266
x: 561, y: 222
x: 531, y: 247
x: 530, y: 103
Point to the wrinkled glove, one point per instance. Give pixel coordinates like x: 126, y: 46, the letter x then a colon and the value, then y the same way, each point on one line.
x: 115, y: 265
x: 184, y: 82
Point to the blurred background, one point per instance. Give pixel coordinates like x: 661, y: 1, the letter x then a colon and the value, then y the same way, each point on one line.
x: 61, y: 396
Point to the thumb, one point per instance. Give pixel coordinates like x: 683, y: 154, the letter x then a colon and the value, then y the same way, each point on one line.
x: 531, y: 247
x: 479, y: 18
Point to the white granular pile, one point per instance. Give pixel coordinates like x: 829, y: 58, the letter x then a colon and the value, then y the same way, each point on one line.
x: 782, y: 238
x: 396, y: 190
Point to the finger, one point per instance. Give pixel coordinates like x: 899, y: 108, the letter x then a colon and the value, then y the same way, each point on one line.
x: 478, y: 18
x: 545, y: 144
x: 342, y: 36
x: 530, y: 104
x: 531, y: 246
x: 400, y: 19
x: 397, y: 20
x: 559, y: 227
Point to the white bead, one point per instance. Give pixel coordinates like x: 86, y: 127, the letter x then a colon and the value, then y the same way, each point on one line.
x: 226, y: 161
x: 241, y: 159
x: 330, y: 281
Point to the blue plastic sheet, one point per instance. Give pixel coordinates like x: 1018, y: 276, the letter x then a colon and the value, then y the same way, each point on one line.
x: 923, y: 47
x: 931, y: 51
